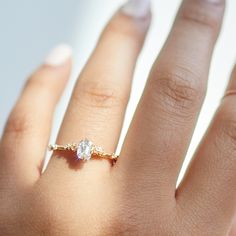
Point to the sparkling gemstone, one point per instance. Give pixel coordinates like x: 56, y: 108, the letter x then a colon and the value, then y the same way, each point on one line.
x: 99, y: 149
x: 84, y: 150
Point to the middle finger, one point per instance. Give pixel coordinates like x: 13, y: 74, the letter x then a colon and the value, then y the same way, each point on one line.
x: 164, y: 121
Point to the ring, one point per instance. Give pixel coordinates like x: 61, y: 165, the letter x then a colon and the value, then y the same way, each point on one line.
x: 85, y: 150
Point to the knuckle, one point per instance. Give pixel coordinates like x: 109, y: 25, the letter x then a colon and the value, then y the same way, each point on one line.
x: 19, y: 122
x: 98, y: 95
x: 131, y: 218
x: 47, y: 217
x: 182, y: 91
x: 127, y: 223
x: 205, y: 15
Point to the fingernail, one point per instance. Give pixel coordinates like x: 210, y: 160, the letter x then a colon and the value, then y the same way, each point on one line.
x: 136, y: 8
x: 59, y: 55
x: 215, y: 1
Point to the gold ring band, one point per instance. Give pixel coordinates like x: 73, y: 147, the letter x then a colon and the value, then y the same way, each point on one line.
x: 85, y: 150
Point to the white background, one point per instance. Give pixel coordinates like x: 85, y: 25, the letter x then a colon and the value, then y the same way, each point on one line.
x: 28, y: 29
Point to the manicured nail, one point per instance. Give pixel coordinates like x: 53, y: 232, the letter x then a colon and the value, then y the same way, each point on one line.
x: 136, y: 8
x: 59, y: 55
x: 215, y: 1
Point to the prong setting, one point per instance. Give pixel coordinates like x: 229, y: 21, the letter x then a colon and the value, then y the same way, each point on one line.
x: 84, y: 150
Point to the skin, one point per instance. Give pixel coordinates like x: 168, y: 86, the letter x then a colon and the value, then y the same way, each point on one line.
x: 138, y: 195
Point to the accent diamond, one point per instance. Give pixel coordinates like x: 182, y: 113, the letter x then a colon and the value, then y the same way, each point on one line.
x: 84, y: 150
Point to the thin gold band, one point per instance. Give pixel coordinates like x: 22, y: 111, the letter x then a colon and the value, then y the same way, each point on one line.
x: 84, y: 150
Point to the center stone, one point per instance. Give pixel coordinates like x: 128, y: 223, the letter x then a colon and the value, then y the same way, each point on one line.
x: 84, y: 150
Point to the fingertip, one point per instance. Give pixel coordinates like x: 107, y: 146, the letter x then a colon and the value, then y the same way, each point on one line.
x: 130, y: 22
x: 58, y: 56
x: 53, y: 73
x: 137, y: 8
x: 57, y: 64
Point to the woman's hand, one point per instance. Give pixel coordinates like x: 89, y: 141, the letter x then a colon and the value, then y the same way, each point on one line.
x: 136, y: 196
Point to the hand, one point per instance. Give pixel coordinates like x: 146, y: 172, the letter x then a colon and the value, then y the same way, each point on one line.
x: 137, y: 195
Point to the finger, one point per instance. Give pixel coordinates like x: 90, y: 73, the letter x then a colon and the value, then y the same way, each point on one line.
x: 164, y: 121
x: 233, y: 228
x: 99, y: 100
x: 209, y: 188
x: 27, y: 130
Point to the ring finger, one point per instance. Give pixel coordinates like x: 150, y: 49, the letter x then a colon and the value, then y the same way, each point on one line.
x: 100, y: 96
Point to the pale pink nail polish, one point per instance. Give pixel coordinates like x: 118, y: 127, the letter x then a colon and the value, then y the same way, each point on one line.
x: 59, y: 55
x: 136, y: 8
x: 215, y: 1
